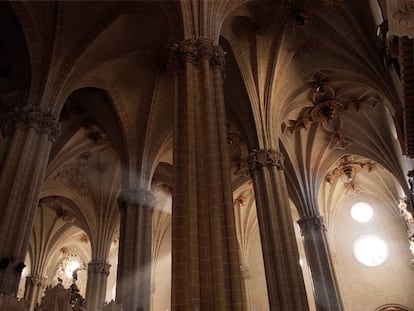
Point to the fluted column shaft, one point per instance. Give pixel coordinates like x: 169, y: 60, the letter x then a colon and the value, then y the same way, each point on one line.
x: 32, y: 133
x: 285, y: 285
x: 245, y: 286
x: 206, y: 269
x: 135, y: 241
x: 98, y: 271
x: 34, y: 288
x: 317, y: 252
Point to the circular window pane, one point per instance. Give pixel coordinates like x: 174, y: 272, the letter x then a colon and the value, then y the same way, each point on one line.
x: 370, y: 250
x: 71, y: 266
x: 362, y: 212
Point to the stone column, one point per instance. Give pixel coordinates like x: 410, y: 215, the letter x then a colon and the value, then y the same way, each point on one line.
x: 205, y: 259
x: 34, y: 288
x: 98, y: 271
x: 245, y: 286
x: 134, y: 260
x: 21, y: 177
x: 318, y: 255
x: 285, y: 285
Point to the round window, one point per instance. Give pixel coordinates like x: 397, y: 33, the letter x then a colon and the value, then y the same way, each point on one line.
x: 370, y: 250
x: 362, y: 212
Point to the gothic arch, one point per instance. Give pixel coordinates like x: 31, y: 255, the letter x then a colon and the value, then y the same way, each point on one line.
x: 392, y: 307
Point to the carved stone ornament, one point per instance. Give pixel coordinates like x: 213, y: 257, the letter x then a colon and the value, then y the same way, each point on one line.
x: 191, y: 51
x: 325, y: 106
x: 311, y: 223
x: 32, y: 117
x: 73, y: 179
x: 347, y: 170
x: 98, y: 267
x: 401, y: 18
x: 265, y: 158
x: 339, y: 140
x: 94, y: 161
x: 37, y: 280
x: 135, y: 197
x: 238, y: 154
x: 218, y: 58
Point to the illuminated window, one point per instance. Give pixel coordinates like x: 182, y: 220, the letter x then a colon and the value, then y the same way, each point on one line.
x: 72, y: 264
x: 362, y: 212
x: 68, y: 266
x: 370, y: 250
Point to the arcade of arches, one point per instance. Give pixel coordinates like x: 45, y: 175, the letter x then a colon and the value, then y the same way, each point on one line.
x: 226, y: 155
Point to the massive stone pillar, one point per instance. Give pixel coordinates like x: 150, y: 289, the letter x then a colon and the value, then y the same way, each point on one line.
x: 32, y: 133
x: 205, y: 260
x: 98, y: 271
x: 285, y: 286
x: 317, y: 252
x: 34, y: 289
x: 134, y: 260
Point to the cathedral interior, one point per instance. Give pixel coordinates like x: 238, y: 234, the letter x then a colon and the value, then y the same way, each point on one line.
x: 207, y: 155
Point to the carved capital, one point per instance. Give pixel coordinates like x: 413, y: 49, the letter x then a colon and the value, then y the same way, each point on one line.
x: 36, y: 280
x: 32, y: 117
x: 98, y: 267
x: 218, y: 58
x: 135, y: 197
x: 265, y: 158
x: 192, y: 51
x: 187, y: 51
x: 205, y: 48
x: 311, y: 223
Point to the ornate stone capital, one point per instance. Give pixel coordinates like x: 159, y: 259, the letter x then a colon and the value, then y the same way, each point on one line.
x: 187, y: 51
x: 311, y: 223
x: 218, y: 58
x: 138, y: 197
x: 98, y: 267
x: 32, y: 117
x: 37, y: 280
x: 265, y: 158
x: 205, y: 48
x: 191, y: 51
